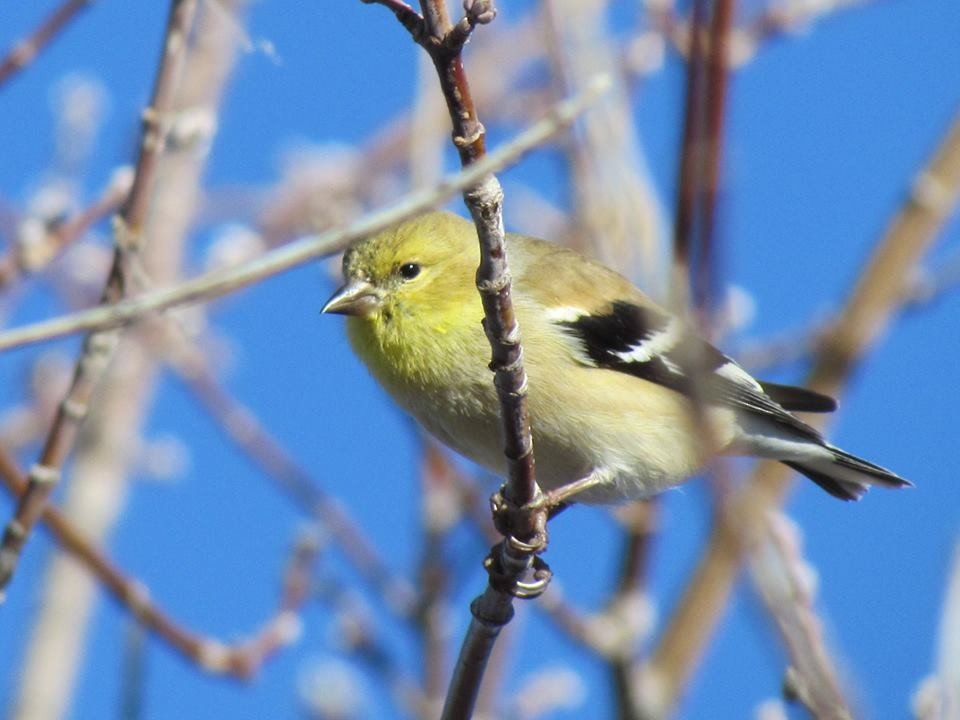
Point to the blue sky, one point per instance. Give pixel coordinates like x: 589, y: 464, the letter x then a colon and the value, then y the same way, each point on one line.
x: 826, y: 130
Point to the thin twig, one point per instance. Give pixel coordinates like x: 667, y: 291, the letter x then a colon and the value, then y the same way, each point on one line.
x: 220, y: 282
x: 439, y: 512
x: 782, y: 579
x: 57, y: 238
x: 98, y: 347
x: 25, y: 51
x: 365, y: 644
x: 870, y: 309
x: 133, y: 672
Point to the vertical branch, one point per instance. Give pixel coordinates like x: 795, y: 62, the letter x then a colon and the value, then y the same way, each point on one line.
x: 689, y: 182
x: 133, y: 671
x: 700, y: 164
x: 99, y: 346
x: 524, y: 528
x: 704, y: 280
x: 640, y: 521
x: 440, y: 510
x: 617, y: 216
x: 701, y: 159
x: 939, y: 696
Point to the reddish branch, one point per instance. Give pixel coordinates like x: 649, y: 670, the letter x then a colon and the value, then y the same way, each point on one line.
x: 691, y: 153
x: 701, y: 155
x: 524, y: 528
x: 98, y: 346
x: 24, y: 52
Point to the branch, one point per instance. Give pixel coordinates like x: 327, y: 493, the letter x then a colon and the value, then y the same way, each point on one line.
x: 221, y: 282
x: 871, y: 307
x: 938, y: 697
x: 782, y: 578
x: 524, y: 528
x: 690, y: 183
x: 30, y: 257
x: 440, y: 510
x: 923, y: 289
x: 25, y: 51
x: 98, y: 347
x: 790, y: 18
x: 99, y: 473
x: 239, y: 660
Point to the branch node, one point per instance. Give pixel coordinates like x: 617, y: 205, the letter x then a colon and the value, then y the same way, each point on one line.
x: 15, y: 531
x: 44, y: 474
x: 495, y: 285
x: 73, y: 409
x: 931, y: 193
x: 476, y: 133
x: 214, y: 656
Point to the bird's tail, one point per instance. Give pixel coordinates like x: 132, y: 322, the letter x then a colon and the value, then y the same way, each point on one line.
x: 846, y: 476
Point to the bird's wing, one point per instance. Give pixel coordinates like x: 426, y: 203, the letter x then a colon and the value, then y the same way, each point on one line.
x: 619, y: 328
x: 650, y: 344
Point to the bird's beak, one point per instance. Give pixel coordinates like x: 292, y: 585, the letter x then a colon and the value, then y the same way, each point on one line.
x: 357, y: 297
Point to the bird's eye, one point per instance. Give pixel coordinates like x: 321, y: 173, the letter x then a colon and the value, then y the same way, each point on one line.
x: 408, y: 271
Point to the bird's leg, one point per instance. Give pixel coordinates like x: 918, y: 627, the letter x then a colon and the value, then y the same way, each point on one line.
x: 559, y: 499
x: 553, y: 502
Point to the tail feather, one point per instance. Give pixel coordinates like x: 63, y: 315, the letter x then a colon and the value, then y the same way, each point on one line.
x: 846, y: 476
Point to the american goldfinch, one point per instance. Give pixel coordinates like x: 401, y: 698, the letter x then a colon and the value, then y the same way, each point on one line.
x: 605, y: 367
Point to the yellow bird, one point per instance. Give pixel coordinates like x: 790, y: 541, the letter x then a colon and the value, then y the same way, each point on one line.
x: 605, y: 366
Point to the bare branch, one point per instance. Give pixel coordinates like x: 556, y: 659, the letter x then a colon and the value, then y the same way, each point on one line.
x: 871, y: 307
x: 220, y: 282
x: 99, y: 346
x: 938, y: 697
x: 58, y: 237
x: 24, y: 52
x: 239, y: 660
x: 783, y: 580
x: 523, y: 526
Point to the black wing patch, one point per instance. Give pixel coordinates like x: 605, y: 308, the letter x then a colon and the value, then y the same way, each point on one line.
x: 798, y: 398
x: 650, y: 344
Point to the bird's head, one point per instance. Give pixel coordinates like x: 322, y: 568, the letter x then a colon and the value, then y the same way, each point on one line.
x: 422, y: 267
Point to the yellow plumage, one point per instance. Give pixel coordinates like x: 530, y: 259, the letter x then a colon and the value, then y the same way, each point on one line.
x: 415, y: 321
